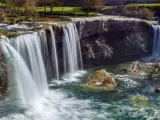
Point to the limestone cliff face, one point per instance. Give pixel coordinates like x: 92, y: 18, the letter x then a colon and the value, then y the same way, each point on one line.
x: 117, y: 38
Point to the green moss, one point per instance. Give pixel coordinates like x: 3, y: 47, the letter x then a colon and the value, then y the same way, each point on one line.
x: 150, y: 5
x: 139, y: 101
x: 156, y: 75
x: 9, y: 34
x: 94, y: 88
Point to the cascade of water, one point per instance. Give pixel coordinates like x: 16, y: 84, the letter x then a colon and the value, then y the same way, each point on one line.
x: 45, y: 51
x: 71, y: 49
x: 23, y: 89
x: 156, y: 45
x: 54, y: 53
x: 29, y: 47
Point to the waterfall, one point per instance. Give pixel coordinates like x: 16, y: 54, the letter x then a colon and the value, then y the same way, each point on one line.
x: 54, y: 53
x: 71, y: 49
x: 29, y: 47
x: 156, y: 45
x: 45, y: 51
x: 23, y: 89
x: 28, y: 59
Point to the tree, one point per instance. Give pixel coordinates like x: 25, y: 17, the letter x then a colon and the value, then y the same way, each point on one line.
x: 15, y: 5
x: 92, y: 4
x: 50, y: 3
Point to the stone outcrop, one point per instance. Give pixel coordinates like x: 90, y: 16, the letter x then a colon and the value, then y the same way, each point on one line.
x: 107, y: 38
x: 119, y: 37
x: 3, y: 77
x: 102, y: 80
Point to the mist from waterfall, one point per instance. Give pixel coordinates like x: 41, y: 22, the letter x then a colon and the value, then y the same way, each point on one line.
x: 54, y: 53
x: 156, y: 45
x: 29, y: 47
x: 71, y: 49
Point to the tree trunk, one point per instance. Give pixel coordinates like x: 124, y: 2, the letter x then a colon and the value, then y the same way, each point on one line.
x: 51, y: 9
x: 45, y: 10
x: 89, y: 5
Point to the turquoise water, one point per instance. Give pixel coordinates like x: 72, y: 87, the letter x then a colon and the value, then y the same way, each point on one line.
x: 69, y: 100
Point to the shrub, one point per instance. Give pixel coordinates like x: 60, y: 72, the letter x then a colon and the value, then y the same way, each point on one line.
x: 133, y: 10
x: 145, y: 13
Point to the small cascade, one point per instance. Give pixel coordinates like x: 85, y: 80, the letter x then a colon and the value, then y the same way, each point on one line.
x: 71, y: 49
x: 156, y: 45
x: 54, y: 53
x: 45, y: 51
x: 23, y: 89
x: 29, y: 47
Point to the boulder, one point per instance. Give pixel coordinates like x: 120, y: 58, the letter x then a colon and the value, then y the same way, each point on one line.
x: 157, y: 90
x: 153, y: 68
x: 133, y: 68
x: 102, y: 79
x: 140, y: 100
x: 153, y: 71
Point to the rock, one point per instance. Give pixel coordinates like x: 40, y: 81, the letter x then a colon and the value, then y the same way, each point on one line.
x: 140, y: 100
x: 102, y: 79
x: 153, y: 71
x: 157, y: 90
x: 153, y: 68
x: 134, y: 68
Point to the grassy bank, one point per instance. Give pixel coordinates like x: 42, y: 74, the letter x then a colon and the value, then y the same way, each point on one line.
x: 150, y: 5
x: 67, y: 10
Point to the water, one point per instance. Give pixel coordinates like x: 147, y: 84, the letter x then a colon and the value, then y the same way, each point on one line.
x: 45, y: 52
x: 22, y: 85
x: 71, y: 49
x: 71, y: 101
x: 29, y: 47
x: 156, y: 47
x: 54, y: 53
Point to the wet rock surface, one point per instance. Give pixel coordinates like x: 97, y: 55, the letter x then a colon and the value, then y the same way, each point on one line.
x: 140, y: 100
x: 102, y: 80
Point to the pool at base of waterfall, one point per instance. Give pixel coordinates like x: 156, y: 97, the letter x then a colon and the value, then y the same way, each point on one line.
x: 69, y: 100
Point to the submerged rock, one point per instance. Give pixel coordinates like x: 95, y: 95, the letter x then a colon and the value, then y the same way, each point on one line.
x: 157, y: 90
x: 133, y: 68
x: 140, y: 100
x: 101, y: 80
x: 153, y: 71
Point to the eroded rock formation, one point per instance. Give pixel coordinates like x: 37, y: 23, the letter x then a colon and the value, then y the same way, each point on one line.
x: 101, y: 80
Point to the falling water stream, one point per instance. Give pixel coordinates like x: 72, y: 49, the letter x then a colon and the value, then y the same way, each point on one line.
x: 54, y: 53
x: 71, y: 49
x: 21, y: 82
x: 156, y: 45
x: 29, y: 47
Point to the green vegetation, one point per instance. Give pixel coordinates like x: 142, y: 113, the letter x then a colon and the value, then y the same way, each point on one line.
x: 13, y: 11
x: 73, y: 11
x: 9, y: 34
x: 2, y: 4
x: 150, y: 5
x: 133, y: 10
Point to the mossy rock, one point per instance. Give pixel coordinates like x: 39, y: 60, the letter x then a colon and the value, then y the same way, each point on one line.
x: 89, y: 87
x: 101, y: 80
x: 156, y: 75
x: 140, y: 101
x: 9, y: 34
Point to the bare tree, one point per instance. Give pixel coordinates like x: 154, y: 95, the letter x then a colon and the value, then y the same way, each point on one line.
x: 92, y: 4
